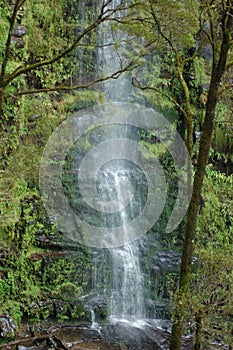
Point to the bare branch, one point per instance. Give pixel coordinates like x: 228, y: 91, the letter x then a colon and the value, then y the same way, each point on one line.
x: 160, y: 30
x: 96, y: 46
x: 153, y: 88
x: 132, y: 65
x: 211, y: 36
x: 104, y: 15
x: 196, y: 53
x: 17, y: 5
x: 208, y: 37
x: 143, y: 20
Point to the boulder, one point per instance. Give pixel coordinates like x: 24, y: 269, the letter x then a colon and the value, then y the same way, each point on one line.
x: 7, y: 326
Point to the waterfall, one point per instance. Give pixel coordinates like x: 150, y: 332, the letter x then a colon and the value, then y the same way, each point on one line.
x: 126, y: 297
x: 126, y: 280
x: 129, y: 281
x: 110, y: 59
x: 126, y: 293
x: 105, y: 178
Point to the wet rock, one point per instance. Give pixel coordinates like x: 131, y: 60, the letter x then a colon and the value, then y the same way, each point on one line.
x: 153, y: 335
x: 19, y: 31
x: 48, y: 256
x: 43, y: 307
x: 17, y: 36
x: 34, y: 117
x: 7, y: 326
x: 97, y: 301
x: 19, y: 42
x: 57, y: 343
x: 159, y: 308
x: 128, y: 337
x: 166, y: 260
x: 59, y: 309
x: 59, y: 242
x: 70, y: 310
x: 77, y: 337
x: 99, y: 305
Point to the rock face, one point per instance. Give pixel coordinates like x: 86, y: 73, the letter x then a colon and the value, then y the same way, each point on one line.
x: 167, y: 261
x: 99, y: 306
x: 7, y: 326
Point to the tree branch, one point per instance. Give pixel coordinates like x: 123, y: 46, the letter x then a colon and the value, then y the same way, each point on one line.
x: 132, y: 65
x: 17, y: 5
x: 104, y: 15
x: 94, y: 46
x: 211, y: 36
x: 153, y: 88
x: 160, y: 29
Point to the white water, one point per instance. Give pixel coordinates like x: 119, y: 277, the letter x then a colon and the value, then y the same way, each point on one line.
x: 110, y: 59
x: 127, y: 299
x: 127, y: 282
x: 94, y: 324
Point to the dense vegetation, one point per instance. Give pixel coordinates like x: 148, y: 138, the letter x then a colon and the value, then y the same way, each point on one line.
x: 177, y: 66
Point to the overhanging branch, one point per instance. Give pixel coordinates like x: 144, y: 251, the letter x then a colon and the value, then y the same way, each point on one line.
x: 132, y: 65
x: 105, y: 14
x: 153, y: 88
x: 17, y: 5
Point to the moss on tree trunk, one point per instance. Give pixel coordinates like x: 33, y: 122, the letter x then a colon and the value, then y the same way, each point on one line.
x: 218, y: 70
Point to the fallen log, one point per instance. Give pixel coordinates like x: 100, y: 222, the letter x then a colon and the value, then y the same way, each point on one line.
x: 23, y: 341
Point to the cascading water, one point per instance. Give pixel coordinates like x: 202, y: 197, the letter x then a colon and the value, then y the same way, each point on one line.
x: 127, y: 299
x: 127, y: 280
x: 110, y: 58
x: 126, y: 292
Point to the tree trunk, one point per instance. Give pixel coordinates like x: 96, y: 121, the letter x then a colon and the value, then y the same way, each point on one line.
x: 198, y: 331
x: 205, y: 143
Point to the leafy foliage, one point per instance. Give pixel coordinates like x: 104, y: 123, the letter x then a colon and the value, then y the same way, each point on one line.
x: 213, y: 275
x: 27, y: 279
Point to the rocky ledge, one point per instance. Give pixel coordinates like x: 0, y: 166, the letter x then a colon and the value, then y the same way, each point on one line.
x: 119, y: 336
